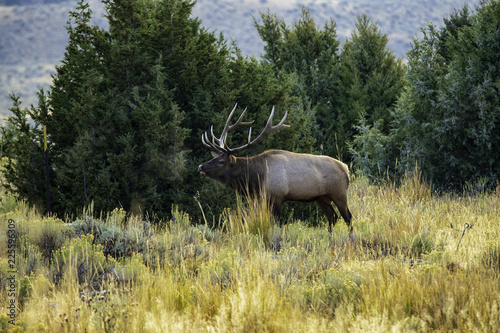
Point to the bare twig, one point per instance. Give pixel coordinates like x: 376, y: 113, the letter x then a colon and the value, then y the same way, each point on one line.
x: 466, y: 226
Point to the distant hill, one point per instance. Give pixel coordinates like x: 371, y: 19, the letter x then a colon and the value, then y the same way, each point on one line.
x: 33, y: 35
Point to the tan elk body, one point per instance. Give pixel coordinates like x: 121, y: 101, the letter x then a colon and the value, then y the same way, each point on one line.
x: 283, y: 175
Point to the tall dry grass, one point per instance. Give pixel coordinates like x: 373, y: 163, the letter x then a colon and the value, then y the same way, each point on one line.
x: 416, y: 262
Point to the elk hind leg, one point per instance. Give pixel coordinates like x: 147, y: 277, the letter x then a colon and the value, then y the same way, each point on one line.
x: 341, y: 204
x: 327, y: 208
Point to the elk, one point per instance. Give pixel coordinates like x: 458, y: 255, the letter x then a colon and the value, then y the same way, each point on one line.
x: 283, y: 175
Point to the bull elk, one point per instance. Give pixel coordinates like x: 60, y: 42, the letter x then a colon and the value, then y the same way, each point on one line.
x: 283, y: 175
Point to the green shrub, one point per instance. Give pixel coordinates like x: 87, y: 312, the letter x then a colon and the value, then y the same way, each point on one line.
x: 47, y: 235
x: 7, y: 327
x: 81, y: 257
x: 25, y: 290
x: 116, y: 241
x: 32, y: 260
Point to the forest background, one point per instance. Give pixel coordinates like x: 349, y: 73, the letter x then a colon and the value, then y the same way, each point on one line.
x: 129, y: 102
x: 28, y: 27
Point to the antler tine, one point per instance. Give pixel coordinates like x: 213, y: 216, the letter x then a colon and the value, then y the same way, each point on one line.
x: 219, y: 144
x: 281, y: 123
x: 228, y: 128
x: 210, y: 145
x: 224, y: 131
x: 240, y: 122
x: 268, y: 129
x: 220, y: 141
x: 214, y: 138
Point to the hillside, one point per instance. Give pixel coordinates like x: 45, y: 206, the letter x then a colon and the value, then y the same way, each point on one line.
x: 33, y: 37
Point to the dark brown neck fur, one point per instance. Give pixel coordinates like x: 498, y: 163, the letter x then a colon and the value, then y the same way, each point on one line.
x: 246, y: 174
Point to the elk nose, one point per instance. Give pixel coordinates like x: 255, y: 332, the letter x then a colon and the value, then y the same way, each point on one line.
x: 200, y: 169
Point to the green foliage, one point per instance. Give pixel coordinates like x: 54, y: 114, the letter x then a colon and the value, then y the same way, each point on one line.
x: 22, y: 152
x: 470, y: 99
x: 447, y: 120
x: 125, y: 142
x: 25, y: 290
x: 370, y: 152
x: 83, y: 257
x: 119, y: 242
x: 370, y: 81
x: 379, y: 72
x: 7, y: 327
x: 127, y: 107
x: 308, y: 55
x: 337, y: 88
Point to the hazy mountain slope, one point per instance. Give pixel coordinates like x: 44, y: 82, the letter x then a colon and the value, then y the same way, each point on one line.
x: 33, y: 37
x: 32, y: 41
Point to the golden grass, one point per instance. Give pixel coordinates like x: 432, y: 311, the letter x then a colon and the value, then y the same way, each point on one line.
x: 416, y: 262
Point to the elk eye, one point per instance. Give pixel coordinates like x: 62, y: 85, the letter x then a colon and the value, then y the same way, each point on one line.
x: 220, y: 163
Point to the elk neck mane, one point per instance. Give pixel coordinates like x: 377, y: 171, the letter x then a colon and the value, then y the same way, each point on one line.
x: 247, y: 173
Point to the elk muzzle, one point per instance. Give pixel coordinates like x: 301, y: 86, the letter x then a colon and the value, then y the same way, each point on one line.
x: 201, y: 170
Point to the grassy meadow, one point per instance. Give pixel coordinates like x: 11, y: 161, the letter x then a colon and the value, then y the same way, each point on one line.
x: 416, y: 262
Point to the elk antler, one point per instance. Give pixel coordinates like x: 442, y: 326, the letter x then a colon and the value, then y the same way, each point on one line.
x: 219, y: 144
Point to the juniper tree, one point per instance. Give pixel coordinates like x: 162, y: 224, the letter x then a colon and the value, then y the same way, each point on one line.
x: 128, y: 105
x: 22, y: 153
x: 308, y: 55
x: 337, y: 87
x: 447, y: 119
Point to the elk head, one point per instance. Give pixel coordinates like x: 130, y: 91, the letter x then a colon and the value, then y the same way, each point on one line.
x: 219, y: 167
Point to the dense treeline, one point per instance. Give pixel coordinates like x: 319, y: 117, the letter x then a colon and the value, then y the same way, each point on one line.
x: 128, y: 105
x: 127, y: 108
x: 447, y: 118
x: 339, y: 86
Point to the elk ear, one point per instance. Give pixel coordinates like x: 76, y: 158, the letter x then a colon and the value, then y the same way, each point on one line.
x: 232, y: 159
x: 215, y: 155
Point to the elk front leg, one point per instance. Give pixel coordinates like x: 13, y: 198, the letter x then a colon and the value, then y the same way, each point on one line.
x: 276, y: 209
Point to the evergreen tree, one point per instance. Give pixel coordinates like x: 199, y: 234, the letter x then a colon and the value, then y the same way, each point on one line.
x: 447, y: 120
x: 78, y: 115
x: 307, y: 56
x: 469, y: 122
x: 338, y: 90
x: 128, y: 106
x: 348, y: 104
x: 22, y: 148
x: 380, y: 74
